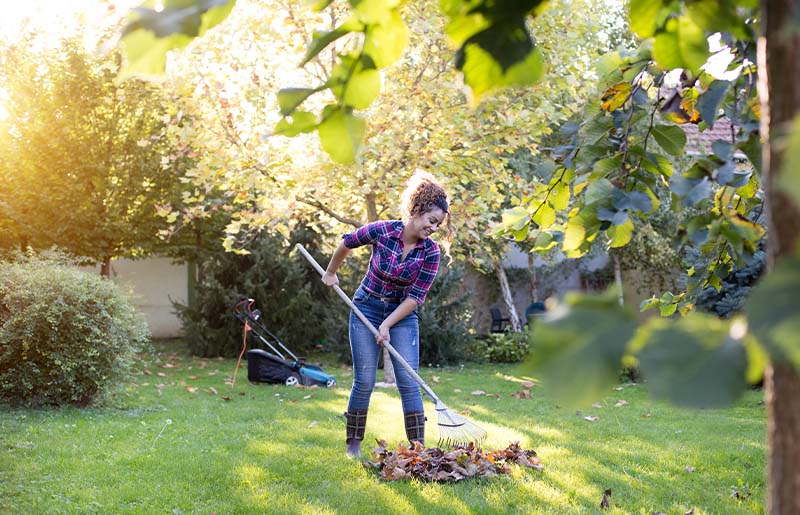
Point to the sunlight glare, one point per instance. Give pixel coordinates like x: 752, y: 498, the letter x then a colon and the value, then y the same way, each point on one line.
x: 55, y: 18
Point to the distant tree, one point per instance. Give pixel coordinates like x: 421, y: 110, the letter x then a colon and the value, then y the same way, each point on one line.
x: 82, y: 154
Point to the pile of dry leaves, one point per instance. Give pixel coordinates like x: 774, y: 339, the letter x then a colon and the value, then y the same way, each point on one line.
x: 435, y: 464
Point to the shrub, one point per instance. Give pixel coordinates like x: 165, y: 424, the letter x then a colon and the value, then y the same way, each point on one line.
x: 444, y: 320
x: 507, y: 347
x: 295, y: 305
x: 66, y: 336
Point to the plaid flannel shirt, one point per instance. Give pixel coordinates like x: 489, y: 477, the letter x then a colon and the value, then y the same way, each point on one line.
x: 388, y: 276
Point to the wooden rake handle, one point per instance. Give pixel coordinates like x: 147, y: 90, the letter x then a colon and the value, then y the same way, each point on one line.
x: 371, y: 327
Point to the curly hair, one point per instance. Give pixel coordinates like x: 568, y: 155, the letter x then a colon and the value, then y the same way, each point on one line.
x: 422, y: 194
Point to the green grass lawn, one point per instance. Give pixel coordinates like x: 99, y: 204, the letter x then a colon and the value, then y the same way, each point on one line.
x: 171, y: 445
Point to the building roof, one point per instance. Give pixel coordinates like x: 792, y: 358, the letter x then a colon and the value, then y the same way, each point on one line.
x: 699, y: 142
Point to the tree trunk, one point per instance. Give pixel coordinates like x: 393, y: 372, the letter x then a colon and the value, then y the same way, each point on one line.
x: 388, y: 369
x: 105, y: 267
x: 618, y: 277
x: 779, y: 89
x: 505, y: 289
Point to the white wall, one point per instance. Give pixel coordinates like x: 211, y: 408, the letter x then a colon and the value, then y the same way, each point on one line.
x: 154, y: 281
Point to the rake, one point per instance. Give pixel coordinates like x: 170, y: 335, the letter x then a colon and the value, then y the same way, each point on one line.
x: 453, y: 428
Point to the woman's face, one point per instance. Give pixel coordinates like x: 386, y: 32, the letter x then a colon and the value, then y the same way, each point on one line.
x: 425, y: 224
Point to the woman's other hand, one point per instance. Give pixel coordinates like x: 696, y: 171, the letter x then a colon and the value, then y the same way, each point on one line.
x: 330, y: 279
x: 383, y: 335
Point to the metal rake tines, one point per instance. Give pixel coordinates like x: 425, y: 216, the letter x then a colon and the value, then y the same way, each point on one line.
x: 457, y: 430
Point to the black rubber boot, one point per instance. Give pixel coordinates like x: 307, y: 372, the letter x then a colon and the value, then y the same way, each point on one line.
x: 356, y: 424
x: 415, y: 427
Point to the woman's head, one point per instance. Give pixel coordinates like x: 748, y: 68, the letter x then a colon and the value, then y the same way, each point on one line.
x: 423, y: 194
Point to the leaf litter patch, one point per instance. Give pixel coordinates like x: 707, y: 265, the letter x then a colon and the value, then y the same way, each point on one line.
x: 435, y: 464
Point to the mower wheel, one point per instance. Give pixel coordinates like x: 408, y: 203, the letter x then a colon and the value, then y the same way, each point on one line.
x: 292, y: 380
x: 330, y: 383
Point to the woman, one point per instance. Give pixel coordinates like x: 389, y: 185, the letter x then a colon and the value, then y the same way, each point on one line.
x: 401, y: 270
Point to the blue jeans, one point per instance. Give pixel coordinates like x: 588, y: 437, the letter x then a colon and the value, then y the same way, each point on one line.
x: 366, y: 352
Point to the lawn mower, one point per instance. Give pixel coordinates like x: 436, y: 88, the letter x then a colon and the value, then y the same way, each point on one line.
x: 275, y: 367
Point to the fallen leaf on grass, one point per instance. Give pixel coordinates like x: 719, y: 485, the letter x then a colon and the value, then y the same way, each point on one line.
x: 191, y: 389
x: 646, y: 415
x: 167, y: 365
x: 689, y: 469
x: 307, y: 397
x: 619, y: 388
x: 226, y: 398
x: 597, y: 405
x: 478, y: 392
x: 312, y: 424
x: 457, y: 390
x: 466, y: 411
x: 690, y: 512
x: 192, y: 377
x: 528, y: 384
x: 522, y: 394
x: 605, y: 503
x: 435, y: 379
x: 161, y: 374
x: 621, y: 402
x: 591, y: 418
x: 495, y: 395
x: 148, y: 372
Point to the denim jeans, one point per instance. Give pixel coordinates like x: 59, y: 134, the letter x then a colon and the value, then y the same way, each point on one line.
x: 404, y: 337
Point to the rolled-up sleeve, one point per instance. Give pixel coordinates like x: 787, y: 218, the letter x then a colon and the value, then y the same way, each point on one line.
x: 427, y: 273
x: 364, y: 235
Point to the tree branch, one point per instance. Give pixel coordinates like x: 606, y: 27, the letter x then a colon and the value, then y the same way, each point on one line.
x: 329, y: 212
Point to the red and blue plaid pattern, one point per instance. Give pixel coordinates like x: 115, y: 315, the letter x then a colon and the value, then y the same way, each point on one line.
x: 388, y: 276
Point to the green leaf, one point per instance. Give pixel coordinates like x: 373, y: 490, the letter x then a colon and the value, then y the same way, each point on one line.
x: 671, y: 138
x: 773, y: 314
x: 650, y: 303
x: 544, y: 241
x: 657, y: 164
x: 577, y: 350
x: 362, y: 88
x: 385, y: 42
x: 691, y: 191
x: 497, y: 57
x: 608, y: 63
x: 290, y: 98
x: 302, y: 121
x: 789, y: 178
x: 606, y: 166
x: 322, y: 39
x: 544, y: 216
x: 559, y: 198
x: 341, y: 134
x: 709, y: 101
x: 643, y: 16
x: 151, y: 34
x: 599, y: 192
x: 515, y: 218
x: 693, y: 361
x: 575, y: 233
x: 682, y: 45
x: 752, y: 149
x: 373, y: 11
x: 620, y: 235
x: 718, y: 16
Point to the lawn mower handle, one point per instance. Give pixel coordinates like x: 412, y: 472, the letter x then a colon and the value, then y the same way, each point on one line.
x: 371, y: 327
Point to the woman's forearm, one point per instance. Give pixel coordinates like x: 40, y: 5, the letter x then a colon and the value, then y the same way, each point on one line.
x: 400, y: 312
x: 337, y: 258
